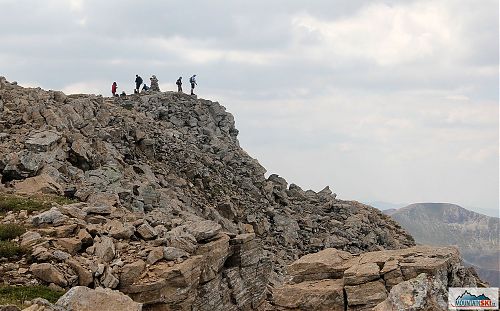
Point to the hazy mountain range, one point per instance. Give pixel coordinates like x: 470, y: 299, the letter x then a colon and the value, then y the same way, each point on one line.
x: 476, y: 235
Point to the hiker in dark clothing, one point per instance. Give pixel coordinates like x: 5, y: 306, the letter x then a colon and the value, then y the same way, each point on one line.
x: 114, y: 87
x: 138, y: 82
x: 179, y: 85
x: 123, y: 94
x: 192, y: 80
x: 145, y: 87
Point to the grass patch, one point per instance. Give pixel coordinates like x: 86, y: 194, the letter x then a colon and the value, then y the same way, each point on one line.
x: 16, y: 295
x: 10, y: 231
x: 10, y: 249
x: 9, y: 202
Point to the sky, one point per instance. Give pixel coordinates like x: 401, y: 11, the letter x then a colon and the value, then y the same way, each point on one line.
x: 384, y: 101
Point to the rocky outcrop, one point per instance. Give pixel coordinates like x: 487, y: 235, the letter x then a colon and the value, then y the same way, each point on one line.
x: 176, y: 158
x: 221, y: 271
x: 415, y: 278
x: 174, y: 214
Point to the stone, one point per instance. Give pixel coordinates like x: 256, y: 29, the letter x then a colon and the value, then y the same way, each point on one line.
x: 204, y: 230
x: 98, y: 210
x: 119, y: 230
x: 9, y: 308
x: 38, y: 184
x: 30, y: 238
x: 323, y: 295
x: 60, y: 255
x: 104, y: 248
x: 420, y: 293
x: 146, y: 232
x: 52, y: 216
x: 85, y: 277
x: 172, y: 253
x: 48, y: 273
x: 362, y: 273
x: 215, y: 255
x: 181, y: 239
x: 131, y: 272
x: 42, y: 141
x: 367, y: 295
x: 327, y: 263
x: 108, y: 280
x: 86, y: 299
x: 154, y: 255
x: 71, y: 245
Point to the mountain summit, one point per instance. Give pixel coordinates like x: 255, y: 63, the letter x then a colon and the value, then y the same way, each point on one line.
x: 168, y: 209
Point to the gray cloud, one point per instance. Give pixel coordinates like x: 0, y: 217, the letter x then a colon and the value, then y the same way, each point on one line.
x: 388, y: 100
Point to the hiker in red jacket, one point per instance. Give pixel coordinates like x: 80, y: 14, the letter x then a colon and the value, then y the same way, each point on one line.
x: 113, y: 88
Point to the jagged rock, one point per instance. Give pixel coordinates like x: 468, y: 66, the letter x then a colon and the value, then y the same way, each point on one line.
x: 362, y: 273
x: 154, y: 255
x: 52, y: 216
x: 39, y: 184
x: 85, y: 299
x: 325, y: 264
x: 204, y: 230
x: 366, y: 295
x: 131, y: 272
x: 179, y: 238
x: 119, y: 230
x: 108, y: 280
x: 48, y: 273
x: 215, y: 255
x: 146, y: 232
x: 420, y: 293
x: 71, y: 245
x: 30, y: 238
x: 43, y: 141
x: 105, y: 248
x: 85, y: 277
x: 172, y: 253
x: 9, y: 308
x: 323, y: 295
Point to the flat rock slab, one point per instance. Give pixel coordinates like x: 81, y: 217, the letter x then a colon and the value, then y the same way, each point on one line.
x: 312, y: 295
x: 86, y: 299
x: 42, y: 141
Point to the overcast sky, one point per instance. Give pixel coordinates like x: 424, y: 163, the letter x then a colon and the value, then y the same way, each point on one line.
x: 393, y: 101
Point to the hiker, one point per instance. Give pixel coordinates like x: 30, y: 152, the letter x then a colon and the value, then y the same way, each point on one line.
x: 179, y: 85
x: 192, y: 80
x: 123, y: 94
x: 154, y: 84
x: 114, y: 86
x: 145, y: 87
x: 138, y: 82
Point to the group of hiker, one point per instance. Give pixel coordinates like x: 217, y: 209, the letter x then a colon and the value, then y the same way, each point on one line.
x: 154, y: 86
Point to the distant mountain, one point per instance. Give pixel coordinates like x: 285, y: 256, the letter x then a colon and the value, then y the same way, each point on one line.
x: 476, y: 235
x: 382, y: 205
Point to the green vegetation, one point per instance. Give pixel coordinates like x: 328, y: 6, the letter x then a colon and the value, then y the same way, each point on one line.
x: 10, y: 231
x: 16, y: 295
x: 9, y: 202
x: 10, y: 249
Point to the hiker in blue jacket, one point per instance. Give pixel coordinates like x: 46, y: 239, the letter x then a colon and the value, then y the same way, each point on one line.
x: 192, y: 80
x: 138, y: 82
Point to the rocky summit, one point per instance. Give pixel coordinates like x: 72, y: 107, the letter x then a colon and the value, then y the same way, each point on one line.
x: 163, y: 210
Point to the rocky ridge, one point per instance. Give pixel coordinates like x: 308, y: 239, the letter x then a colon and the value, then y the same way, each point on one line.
x: 172, y: 211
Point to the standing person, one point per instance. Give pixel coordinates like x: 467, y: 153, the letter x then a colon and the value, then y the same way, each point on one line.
x: 154, y: 84
x: 138, y: 82
x: 179, y: 85
x: 192, y: 80
x: 114, y: 86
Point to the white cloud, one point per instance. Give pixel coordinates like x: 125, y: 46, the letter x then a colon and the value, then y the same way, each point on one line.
x: 386, y: 35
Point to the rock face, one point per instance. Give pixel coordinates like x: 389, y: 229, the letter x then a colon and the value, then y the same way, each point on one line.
x: 174, y: 214
x: 477, y: 236
x: 175, y: 158
x: 415, y: 278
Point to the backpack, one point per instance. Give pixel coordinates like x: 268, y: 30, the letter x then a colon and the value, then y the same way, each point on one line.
x: 191, y: 80
x: 178, y: 82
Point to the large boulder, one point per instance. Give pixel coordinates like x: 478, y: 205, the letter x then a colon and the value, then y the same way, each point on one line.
x: 82, y: 298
